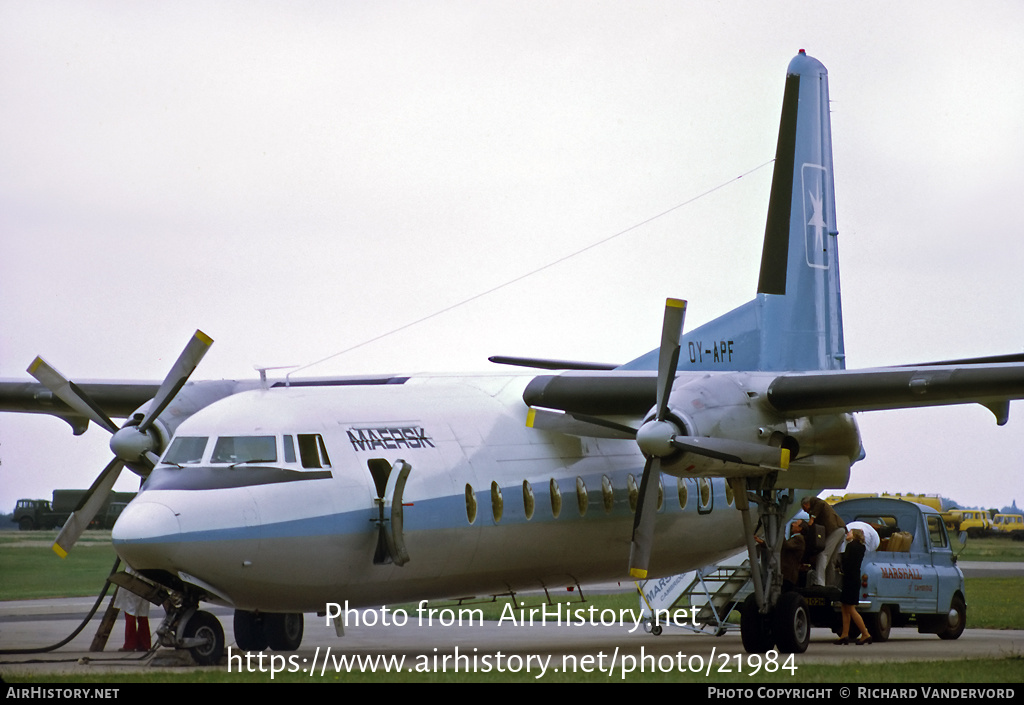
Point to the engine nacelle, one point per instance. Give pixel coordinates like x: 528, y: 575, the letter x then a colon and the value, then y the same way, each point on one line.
x: 732, y: 407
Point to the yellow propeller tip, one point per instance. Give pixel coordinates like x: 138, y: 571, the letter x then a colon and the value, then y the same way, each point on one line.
x: 638, y: 573
x: 675, y: 303
x: 60, y: 551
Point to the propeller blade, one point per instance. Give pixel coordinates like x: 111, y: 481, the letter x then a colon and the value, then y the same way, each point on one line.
x: 643, y: 521
x: 668, y: 358
x: 182, y: 369
x: 82, y: 516
x: 69, y: 393
x: 737, y: 452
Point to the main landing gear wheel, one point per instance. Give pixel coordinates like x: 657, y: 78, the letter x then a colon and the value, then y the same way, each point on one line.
x: 755, y: 628
x: 283, y: 630
x: 792, y: 623
x: 249, y: 632
x: 206, y: 628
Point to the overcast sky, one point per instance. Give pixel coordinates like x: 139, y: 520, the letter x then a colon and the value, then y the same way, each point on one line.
x: 298, y: 178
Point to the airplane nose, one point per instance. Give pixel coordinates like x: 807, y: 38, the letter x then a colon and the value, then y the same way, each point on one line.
x: 146, y: 535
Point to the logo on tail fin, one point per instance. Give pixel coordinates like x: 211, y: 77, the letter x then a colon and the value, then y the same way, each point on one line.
x: 814, y: 177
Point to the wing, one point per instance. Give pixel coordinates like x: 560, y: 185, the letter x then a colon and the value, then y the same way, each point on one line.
x: 118, y: 399
x: 991, y: 385
x: 799, y: 394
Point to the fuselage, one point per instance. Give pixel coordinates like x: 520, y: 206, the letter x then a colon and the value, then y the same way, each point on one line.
x: 267, y: 498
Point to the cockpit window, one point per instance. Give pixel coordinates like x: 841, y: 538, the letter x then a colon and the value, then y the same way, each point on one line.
x: 312, y: 451
x: 185, y: 450
x: 245, y: 449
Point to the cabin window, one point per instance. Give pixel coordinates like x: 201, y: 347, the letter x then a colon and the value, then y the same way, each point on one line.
x: 582, y: 500
x: 497, y: 504
x: 186, y: 450
x: 556, y: 498
x: 607, y: 493
x: 245, y: 449
x: 470, y: 503
x: 289, y: 449
x: 312, y: 451
x: 705, y: 496
x: 683, y: 492
x: 528, y: 501
x: 633, y: 492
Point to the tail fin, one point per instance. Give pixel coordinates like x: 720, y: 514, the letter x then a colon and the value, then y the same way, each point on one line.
x: 795, y: 322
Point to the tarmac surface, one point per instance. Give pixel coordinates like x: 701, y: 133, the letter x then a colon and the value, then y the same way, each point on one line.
x: 538, y: 649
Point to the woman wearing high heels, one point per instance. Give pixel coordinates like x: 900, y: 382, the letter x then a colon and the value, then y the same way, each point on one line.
x: 852, y: 558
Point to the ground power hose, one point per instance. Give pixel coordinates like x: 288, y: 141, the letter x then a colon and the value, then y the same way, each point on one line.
x: 78, y: 630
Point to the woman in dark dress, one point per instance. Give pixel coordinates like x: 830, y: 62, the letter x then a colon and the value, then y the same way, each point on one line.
x: 852, y: 558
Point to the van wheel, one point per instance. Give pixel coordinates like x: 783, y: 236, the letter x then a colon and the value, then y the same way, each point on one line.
x: 879, y: 623
x: 956, y: 620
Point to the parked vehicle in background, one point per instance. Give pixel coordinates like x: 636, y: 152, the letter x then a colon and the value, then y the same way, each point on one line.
x: 975, y: 522
x: 1009, y: 525
x: 30, y: 514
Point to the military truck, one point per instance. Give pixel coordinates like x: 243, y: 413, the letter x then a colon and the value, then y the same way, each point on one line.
x: 30, y: 514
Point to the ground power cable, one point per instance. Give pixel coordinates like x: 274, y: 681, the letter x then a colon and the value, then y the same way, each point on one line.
x: 77, y: 631
x: 531, y: 273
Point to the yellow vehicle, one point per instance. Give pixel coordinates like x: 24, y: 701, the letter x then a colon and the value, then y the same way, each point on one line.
x: 952, y: 518
x: 974, y: 521
x: 1009, y: 524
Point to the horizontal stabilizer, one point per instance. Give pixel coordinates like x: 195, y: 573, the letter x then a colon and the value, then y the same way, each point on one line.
x: 540, y: 363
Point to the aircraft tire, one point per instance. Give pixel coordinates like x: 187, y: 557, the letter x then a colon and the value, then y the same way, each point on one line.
x: 879, y: 623
x: 204, y: 625
x: 249, y: 631
x: 755, y: 628
x: 283, y: 630
x: 792, y: 624
x: 953, y: 629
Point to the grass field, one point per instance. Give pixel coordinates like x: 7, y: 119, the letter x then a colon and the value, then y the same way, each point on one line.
x: 31, y: 570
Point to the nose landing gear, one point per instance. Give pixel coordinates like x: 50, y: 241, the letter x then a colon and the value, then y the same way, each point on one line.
x: 185, y: 626
x: 202, y: 635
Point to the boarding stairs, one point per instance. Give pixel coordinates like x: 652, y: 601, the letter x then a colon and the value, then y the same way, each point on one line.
x: 709, y: 596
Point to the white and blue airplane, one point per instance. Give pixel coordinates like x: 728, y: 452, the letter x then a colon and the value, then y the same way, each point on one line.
x: 278, y: 497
